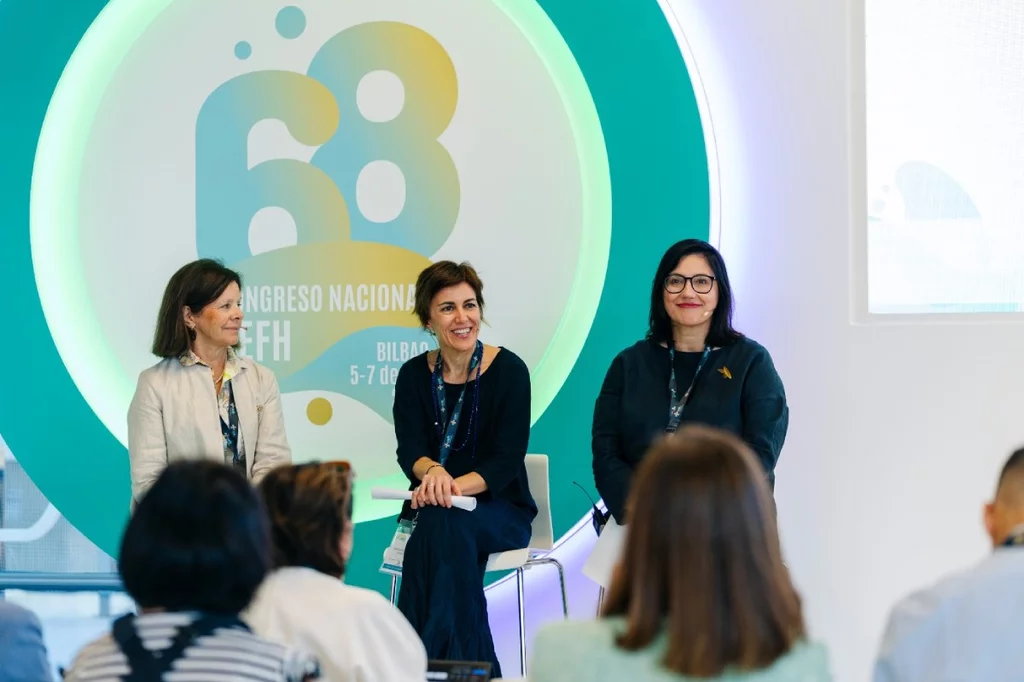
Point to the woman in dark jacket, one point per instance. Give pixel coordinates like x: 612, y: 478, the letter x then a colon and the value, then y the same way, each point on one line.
x: 692, y: 367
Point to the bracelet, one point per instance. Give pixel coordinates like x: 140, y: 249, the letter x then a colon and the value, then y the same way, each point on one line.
x: 431, y: 467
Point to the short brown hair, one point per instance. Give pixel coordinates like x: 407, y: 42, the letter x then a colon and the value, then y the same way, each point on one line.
x: 441, y: 275
x: 310, y: 508
x: 1010, y: 489
x: 702, y: 559
x: 196, y: 285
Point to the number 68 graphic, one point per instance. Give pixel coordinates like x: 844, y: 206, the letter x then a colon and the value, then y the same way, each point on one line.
x: 320, y: 110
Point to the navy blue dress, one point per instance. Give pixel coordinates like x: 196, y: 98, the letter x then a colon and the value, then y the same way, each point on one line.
x: 443, y: 570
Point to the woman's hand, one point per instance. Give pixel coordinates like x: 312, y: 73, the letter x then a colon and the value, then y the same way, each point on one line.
x: 435, y: 489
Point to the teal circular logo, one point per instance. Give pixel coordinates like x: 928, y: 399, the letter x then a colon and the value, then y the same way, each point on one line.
x: 330, y: 152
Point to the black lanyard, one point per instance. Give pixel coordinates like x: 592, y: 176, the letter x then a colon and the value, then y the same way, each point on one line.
x: 446, y: 427
x: 676, y: 403
x: 148, y: 666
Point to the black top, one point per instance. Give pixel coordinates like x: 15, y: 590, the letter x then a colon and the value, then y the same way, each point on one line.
x: 738, y: 390
x: 502, y: 424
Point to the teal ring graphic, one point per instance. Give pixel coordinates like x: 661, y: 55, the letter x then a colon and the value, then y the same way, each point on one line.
x: 70, y: 311
x: 658, y: 165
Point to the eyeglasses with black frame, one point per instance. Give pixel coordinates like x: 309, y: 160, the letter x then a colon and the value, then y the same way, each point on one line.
x: 701, y: 284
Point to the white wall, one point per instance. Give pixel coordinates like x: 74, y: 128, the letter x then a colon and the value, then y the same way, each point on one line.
x: 898, y: 431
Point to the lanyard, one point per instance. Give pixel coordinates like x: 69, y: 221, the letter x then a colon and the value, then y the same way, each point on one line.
x: 441, y: 410
x: 229, y: 428
x: 144, y: 664
x: 676, y: 404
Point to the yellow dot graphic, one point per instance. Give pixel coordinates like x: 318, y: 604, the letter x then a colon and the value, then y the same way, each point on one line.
x: 319, y: 411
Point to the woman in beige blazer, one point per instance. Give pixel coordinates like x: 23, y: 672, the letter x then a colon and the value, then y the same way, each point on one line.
x: 203, y: 400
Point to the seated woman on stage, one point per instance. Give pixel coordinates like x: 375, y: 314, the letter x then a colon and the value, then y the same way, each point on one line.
x: 701, y: 590
x: 193, y: 554
x: 203, y: 400
x: 693, y: 367
x: 462, y: 420
x: 356, y: 634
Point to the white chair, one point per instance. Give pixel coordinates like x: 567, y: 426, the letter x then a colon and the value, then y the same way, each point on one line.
x: 542, y: 541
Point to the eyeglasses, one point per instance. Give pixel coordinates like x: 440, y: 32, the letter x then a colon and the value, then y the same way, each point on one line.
x: 702, y: 284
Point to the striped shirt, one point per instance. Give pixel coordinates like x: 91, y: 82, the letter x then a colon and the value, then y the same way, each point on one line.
x: 227, y: 655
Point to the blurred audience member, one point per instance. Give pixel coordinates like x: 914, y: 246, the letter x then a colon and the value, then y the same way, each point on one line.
x: 968, y: 626
x: 22, y: 651
x: 192, y: 557
x: 356, y: 634
x: 701, y: 590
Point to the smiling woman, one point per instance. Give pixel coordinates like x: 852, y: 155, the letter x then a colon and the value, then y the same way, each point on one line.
x: 632, y: 111
x: 171, y: 416
x: 462, y: 421
x: 693, y: 367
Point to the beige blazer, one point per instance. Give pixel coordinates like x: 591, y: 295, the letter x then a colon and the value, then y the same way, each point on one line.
x: 174, y: 416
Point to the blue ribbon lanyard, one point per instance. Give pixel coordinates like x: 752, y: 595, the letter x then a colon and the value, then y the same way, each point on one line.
x: 229, y: 429
x: 452, y: 425
x: 676, y: 404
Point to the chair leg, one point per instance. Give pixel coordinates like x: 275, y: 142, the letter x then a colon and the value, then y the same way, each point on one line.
x: 600, y: 600
x: 521, y: 592
x: 561, y: 584
x: 394, y: 590
x: 561, y: 579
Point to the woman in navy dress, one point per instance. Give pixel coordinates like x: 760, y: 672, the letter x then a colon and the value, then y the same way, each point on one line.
x: 462, y: 420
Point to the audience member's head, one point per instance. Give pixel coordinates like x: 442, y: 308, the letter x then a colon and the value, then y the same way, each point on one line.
x: 198, y: 541
x: 702, y: 561
x: 310, y: 509
x: 1006, y: 511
